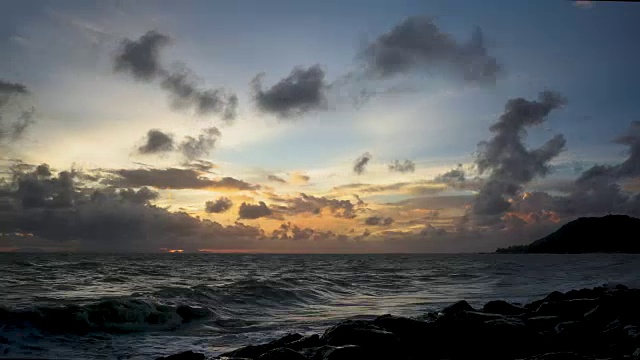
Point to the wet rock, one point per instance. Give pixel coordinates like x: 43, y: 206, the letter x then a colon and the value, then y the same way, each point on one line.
x: 570, y: 309
x: 357, y: 332
x: 282, y: 353
x: 187, y: 355
x: 254, y: 351
x: 461, y: 305
x: 4, y: 340
x: 306, y: 342
x: 404, y: 327
x: 347, y: 352
x: 560, y: 356
x: 503, y: 308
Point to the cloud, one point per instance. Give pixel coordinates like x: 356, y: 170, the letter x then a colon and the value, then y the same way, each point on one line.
x: 200, y: 165
x: 453, y: 175
x: 251, y: 211
x: 275, y: 178
x: 221, y: 205
x: 182, y: 85
x: 417, y: 44
x: 141, y: 59
x: 59, y: 211
x: 314, y: 205
x: 402, y: 167
x: 173, y: 178
x: 193, y: 148
x: 505, y: 157
x: 300, y: 92
x: 10, y: 94
x: 156, y: 142
x: 299, y: 178
x: 378, y: 221
x: 361, y: 162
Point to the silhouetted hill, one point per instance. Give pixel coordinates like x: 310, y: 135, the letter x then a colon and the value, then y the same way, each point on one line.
x: 608, y: 234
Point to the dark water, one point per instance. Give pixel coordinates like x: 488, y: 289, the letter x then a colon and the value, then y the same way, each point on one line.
x: 144, y: 306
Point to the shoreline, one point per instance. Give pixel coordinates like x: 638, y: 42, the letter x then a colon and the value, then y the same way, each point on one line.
x: 585, y: 324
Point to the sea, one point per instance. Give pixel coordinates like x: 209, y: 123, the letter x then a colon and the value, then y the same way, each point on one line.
x: 143, y: 306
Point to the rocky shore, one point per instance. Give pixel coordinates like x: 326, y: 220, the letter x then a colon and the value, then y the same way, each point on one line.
x: 598, y: 323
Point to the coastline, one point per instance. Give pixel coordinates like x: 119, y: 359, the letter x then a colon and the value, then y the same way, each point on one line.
x: 586, y: 324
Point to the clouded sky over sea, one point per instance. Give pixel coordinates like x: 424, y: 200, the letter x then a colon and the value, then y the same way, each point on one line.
x: 298, y: 126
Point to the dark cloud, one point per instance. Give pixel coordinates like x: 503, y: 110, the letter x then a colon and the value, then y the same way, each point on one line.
x: 510, y: 164
x: 25, y: 120
x: 173, y: 178
x: 631, y: 166
x: 361, y: 163
x: 140, y: 57
x: 200, y: 165
x: 156, y: 142
x: 314, y: 205
x: 454, y: 175
x: 193, y: 148
x: 141, y: 196
x: 418, y: 44
x: 403, y: 167
x: 300, y: 92
x: 220, y: 205
x: 276, y: 179
x: 57, y: 209
x: 251, y: 211
x: 378, y: 221
x: 185, y: 93
x: 9, y: 92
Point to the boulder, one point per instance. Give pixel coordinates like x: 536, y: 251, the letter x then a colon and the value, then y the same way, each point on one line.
x: 503, y: 308
x: 346, y: 352
x: 187, y: 355
x: 306, y: 342
x: 282, y: 353
x: 254, y: 351
x: 461, y: 305
x: 358, y: 332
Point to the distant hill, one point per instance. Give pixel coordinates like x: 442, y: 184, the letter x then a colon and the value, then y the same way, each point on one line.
x: 607, y: 234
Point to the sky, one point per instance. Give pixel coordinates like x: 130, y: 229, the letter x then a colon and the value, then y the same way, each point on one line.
x: 313, y: 127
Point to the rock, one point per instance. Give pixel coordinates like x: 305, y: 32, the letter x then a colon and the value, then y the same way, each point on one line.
x: 4, y: 340
x: 187, y: 355
x: 636, y: 354
x: 282, y: 353
x: 305, y: 342
x: 404, y: 327
x: 363, y: 333
x: 544, y: 322
x: 570, y: 309
x: 254, y: 351
x: 347, y: 352
x: 461, y: 305
x: 559, y: 356
x: 503, y: 308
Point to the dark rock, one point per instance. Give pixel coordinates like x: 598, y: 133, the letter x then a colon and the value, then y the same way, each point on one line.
x: 569, y: 309
x: 306, y: 342
x: 404, y: 327
x: 4, y: 340
x: 187, y: 355
x: 503, y: 308
x: 544, y: 322
x: 560, y: 356
x: 358, y: 332
x: 347, y: 352
x: 254, y: 351
x: 461, y: 305
x: 282, y: 353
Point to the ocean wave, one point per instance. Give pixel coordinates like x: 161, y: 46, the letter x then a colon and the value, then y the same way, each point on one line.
x: 113, y: 315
